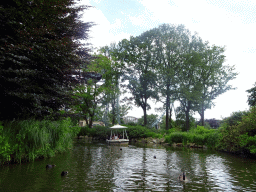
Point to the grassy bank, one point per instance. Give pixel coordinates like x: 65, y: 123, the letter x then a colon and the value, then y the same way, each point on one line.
x: 198, y: 136
x: 30, y: 139
x: 237, y: 134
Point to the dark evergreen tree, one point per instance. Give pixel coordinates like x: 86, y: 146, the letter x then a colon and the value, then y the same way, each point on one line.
x: 40, y: 49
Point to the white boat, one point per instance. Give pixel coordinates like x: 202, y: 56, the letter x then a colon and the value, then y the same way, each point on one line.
x: 118, y: 139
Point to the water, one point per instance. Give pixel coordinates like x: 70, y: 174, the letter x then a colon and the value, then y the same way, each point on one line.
x: 100, y: 167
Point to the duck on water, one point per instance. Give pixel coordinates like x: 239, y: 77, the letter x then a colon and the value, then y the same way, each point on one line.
x: 182, y: 177
x: 50, y: 166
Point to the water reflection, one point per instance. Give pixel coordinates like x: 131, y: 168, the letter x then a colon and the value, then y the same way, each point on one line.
x: 100, y: 167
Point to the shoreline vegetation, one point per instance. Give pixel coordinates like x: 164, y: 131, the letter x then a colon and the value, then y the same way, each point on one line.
x: 27, y: 140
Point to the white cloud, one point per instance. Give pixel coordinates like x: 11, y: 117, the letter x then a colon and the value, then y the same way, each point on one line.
x: 103, y: 33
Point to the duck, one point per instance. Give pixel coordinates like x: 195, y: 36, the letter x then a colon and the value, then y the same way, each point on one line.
x: 50, y: 166
x: 63, y: 173
x: 182, y: 177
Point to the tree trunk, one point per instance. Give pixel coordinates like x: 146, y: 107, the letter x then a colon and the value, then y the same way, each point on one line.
x: 91, y: 118
x: 187, y: 116
x: 86, y: 120
x: 202, y: 114
x: 113, y: 113
x: 145, y: 115
x: 187, y: 120
x: 90, y: 122
x: 170, y: 119
x: 167, y: 112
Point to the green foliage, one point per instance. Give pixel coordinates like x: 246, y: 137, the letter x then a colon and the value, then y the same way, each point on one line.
x: 150, y: 119
x: 133, y: 131
x: 197, y: 139
x: 136, y: 52
x: 181, y: 120
x: 91, y: 94
x: 171, y: 122
x: 252, y: 96
x: 99, y: 132
x: 235, y: 118
x: 30, y: 139
x: 248, y: 142
x: 172, y: 130
x: 198, y: 136
x: 132, y: 124
x: 177, y: 137
x: 238, y: 132
x: 137, y: 131
x: 5, y: 147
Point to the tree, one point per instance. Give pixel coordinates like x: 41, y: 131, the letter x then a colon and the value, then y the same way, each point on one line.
x: 39, y: 48
x: 150, y: 119
x: 91, y: 94
x: 214, y: 77
x: 112, y: 99
x: 170, y: 43
x: 137, y: 53
x: 203, y: 78
x: 252, y: 97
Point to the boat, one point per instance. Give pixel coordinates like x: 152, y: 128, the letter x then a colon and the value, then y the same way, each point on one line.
x: 116, y: 139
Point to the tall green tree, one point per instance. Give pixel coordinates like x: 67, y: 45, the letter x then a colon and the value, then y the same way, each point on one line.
x: 204, y: 77
x: 91, y: 94
x: 140, y: 71
x: 170, y: 43
x: 214, y: 77
x: 189, y: 86
x: 112, y: 100
x: 40, y: 45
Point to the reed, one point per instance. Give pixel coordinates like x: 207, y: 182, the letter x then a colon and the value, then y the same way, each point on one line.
x: 27, y: 140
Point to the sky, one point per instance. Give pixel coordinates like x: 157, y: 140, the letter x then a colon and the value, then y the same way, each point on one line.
x: 229, y: 23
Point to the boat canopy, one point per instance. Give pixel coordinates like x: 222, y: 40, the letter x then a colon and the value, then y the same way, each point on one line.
x: 118, y: 127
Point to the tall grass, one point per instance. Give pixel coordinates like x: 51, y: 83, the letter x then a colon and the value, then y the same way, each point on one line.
x: 29, y: 139
x: 197, y: 136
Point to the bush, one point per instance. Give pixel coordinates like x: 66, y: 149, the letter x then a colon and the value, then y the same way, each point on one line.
x: 212, y: 138
x: 136, y: 131
x: 86, y: 131
x: 177, y: 137
x: 248, y: 142
x: 198, y: 139
x: 102, y: 132
x: 235, y: 118
x: 238, y: 132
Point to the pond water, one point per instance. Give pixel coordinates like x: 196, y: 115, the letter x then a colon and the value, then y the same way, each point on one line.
x: 100, y: 167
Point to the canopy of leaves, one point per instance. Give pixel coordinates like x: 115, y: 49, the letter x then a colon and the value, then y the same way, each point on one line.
x: 91, y: 95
